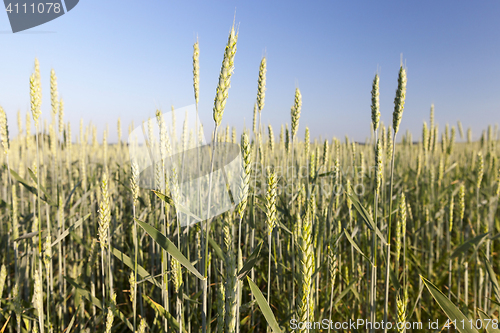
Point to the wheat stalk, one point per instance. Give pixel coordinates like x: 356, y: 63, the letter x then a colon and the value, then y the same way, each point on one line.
x: 218, y: 110
x: 399, y: 102
x: 134, y: 185
x: 230, y: 287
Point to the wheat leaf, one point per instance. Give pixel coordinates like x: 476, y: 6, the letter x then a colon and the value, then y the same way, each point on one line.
x: 453, y: 313
x: 264, y: 307
x: 168, y: 246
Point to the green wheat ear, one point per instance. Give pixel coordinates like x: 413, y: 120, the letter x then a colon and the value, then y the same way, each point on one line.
x: 399, y: 100
x: 272, y: 182
x: 3, y: 277
x: 196, y: 71
x: 271, y: 138
x: 261, y: 92
x: 226, y: 71
x: 221, y: 306
x: 375, y: 103
x: 35, y: 98
x: 307, y: 142
x: 4, y: 131
x: 401, y: 304
x: 104, y: 211
x: 246, y: 151
x: 480, y: 170
x: 306, y: 257
x: 131, y: 281
x: 287, y: 139
x: 452, y: 205
x: 254, y: 127
x: 142, y: 326
x: 61, y: 116
x: 110, y: 315
x: 332, y: 264
x: 461, y: 201
x: 19, y: 123
x: 325, y: 152
x: 38, y: 298
x: 176, y: 274
x: 54, y: 101
x: 296, y: 108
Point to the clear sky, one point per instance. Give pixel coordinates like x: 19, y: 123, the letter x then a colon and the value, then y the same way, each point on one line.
x: 127, y: 58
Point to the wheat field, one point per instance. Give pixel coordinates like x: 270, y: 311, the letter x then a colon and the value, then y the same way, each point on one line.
x: 403, y: 228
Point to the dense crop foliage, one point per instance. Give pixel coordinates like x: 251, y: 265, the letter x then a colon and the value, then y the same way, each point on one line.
x: 397, y: 228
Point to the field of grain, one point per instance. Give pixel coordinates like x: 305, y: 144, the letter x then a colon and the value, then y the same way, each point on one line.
x: 401, y: 228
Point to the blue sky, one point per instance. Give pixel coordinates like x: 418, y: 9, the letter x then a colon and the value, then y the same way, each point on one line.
x: 127, y: 58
